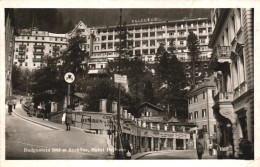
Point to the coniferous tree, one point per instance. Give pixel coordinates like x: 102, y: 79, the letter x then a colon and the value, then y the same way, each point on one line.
x: 193, y: 46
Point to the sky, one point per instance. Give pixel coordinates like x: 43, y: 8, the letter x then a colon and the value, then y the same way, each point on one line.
x: 97, y: 17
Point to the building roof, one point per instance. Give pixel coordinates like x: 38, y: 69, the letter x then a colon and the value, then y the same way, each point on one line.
x: 152, y: 106
x: 206, y: 82
x: 80, y: 95
x: 173, y: 120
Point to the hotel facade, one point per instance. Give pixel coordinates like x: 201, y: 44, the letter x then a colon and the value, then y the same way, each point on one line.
x: 101, y: 42
x: 233, y: 62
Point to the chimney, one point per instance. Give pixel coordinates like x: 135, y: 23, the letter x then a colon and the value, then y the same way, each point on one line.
x: 121, y: 110
x: 173, y: 128
x: 125, y: 114
x: 103, y: 105
x: 129, y: 116
x: 139, y: 122
x: 114, y: 107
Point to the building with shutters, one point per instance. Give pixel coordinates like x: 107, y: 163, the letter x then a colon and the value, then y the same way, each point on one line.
x: 200, y: 103
x: 9, y: 49
x: 232, y: 60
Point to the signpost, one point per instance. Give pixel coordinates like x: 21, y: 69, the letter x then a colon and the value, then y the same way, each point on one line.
x: 120, y: 79
x: 69, y: 78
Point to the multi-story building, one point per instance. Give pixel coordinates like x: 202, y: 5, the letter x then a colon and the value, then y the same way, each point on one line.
x: 101, y: 42
x: 32, y: 45
x: 233, y: 63
x: 200, y: 102
x: 9, y: 50
x: 148, y: 34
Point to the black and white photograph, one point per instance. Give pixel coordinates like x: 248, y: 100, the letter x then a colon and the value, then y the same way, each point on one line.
x: 127, y: 83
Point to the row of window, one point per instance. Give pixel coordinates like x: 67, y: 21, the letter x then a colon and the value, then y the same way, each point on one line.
x: 160, y: 27
x: 195, y: 115
x: 43, y: 38
x: 195, y: 97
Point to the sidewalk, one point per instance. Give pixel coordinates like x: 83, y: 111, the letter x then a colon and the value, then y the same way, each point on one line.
x: 20, y: 112
x: 140, y: 155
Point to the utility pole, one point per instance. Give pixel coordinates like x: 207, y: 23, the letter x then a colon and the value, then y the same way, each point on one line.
x: 27, y: 89
x: 118, y: 143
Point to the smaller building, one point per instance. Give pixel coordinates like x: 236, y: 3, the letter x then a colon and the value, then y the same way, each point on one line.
x: 200, y: 110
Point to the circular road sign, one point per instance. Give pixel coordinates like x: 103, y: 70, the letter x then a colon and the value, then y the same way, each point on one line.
x: 69, y: 77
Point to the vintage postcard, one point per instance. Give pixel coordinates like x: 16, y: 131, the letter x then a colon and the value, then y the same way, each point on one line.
x: 122, y: 82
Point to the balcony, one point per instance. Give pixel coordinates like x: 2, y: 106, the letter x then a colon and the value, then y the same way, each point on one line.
x: 220, y: 58
x: 223, y: 97
x: 38, y: 52
x: 55, y: 48
x: 39, y: 46
x: 240, y: 90
x: 37, y: 59
x: 21, y: 52
x: 22, y: 46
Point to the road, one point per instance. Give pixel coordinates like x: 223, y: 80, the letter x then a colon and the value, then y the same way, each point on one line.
x: 175, y: 154
x: 28, y: 140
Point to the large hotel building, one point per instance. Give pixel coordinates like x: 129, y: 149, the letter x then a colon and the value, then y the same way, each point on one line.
x: 147, y: 35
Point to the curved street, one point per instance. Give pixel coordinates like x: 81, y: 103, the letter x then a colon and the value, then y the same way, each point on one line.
x: 47, y: 140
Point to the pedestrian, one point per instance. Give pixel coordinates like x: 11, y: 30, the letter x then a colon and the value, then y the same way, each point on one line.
x: 48, y: 109
x: 68, y: 118
x: 31, y: 110
x: 210, y: 148
x: 14, y: 103
x: 10, y: 107
x: 127, y: 150
x: 200, y: 150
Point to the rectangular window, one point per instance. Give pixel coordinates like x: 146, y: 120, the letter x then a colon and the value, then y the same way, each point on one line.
x: 195, y: 98
x: 26, y: 64
x: 190, y: 116
x: 16, y: 56
x: 203, y: 113
x: 215, y: 128
x: 213, y: 93
x: 28, y: 37
x: 204, y: 95
x: 205, y: 128
x: 42, y: 38
x: 205, y: 65
x: 196, y: 114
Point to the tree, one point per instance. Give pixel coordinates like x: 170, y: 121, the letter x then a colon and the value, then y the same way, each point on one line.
x: 193, y: 46
x: 125, y: 50
x: 169, y: 79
